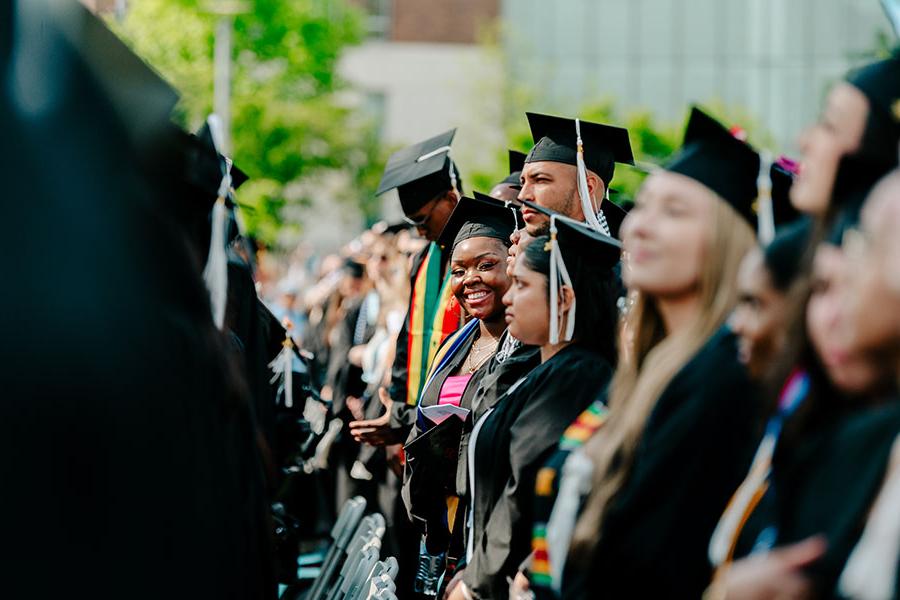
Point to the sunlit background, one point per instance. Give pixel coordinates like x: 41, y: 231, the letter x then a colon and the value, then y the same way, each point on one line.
x: 319, y: 92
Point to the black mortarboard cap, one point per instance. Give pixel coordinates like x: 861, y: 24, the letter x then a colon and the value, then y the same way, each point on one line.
x: 140, y: 97
x: 555, y: 140
x: 205, y: 135
x: 516, y: 163
x: 615, y: 215
x: 880, y: 83
x: 726, y: 165
x: 481, y: 216
x: 782, y: 209
x: 421, y: 172
x: 579, y: 243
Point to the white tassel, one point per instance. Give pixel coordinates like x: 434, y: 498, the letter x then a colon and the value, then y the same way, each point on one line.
x: 216, y: 272
x: 283, y: 366
x: 587, y: 206
x: 554, y: 285
x: 765, y: 212
x: 558, y: 275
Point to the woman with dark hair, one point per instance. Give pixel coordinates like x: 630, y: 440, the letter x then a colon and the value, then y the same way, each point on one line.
x: 827, y: 446
x: 571, y: 269
x: 764, y: 282
x: 434, y: 487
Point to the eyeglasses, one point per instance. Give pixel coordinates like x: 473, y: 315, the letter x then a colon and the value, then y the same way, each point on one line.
x: 421, y: 221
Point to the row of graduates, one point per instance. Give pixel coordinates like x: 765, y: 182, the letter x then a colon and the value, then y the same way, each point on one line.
x: 139, y: 417
x: 697, y: 397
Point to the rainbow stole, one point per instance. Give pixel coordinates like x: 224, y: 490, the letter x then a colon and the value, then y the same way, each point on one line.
x: 575, y: 436
x: 434, y: 314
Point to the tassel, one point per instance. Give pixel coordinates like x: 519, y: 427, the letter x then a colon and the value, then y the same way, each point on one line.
x: 587, y: 206
x: 283, y: 366
x: 215, y: 274
x: 765, y: 212
x: 558, y: 275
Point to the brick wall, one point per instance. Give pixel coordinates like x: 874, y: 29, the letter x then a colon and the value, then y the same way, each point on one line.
x: 458, y: 21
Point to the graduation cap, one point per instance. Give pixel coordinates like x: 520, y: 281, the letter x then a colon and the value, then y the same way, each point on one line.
x: 584, y: 145
x: 215, y: 273
x: 208, y: 137
x: 140, y: 97
x: 711, y: 155
x: 574, y: 247
x: 516, y: 164
x: 421, y: 172
x: 782, y: 177
x: 615, y: 215
x: 481, y: 216
x: 880, y: 83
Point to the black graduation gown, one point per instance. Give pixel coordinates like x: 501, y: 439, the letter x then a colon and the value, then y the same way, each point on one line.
x: 514, y: 441
x: 694, y: 453
x: 825, y: 484
x: 129, y: 462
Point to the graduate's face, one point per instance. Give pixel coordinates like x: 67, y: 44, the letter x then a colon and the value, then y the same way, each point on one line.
x: 431, y: 218
x: 848, y: 369
x: 837, y: 133
x: 551, y: 185
x: 666, y: 234
x: 478, y: 277
x: 757, y: 318
x: 527, y: 306
x: 870, y: 310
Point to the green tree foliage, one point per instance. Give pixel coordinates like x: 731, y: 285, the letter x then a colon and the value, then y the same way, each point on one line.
x: 291, y: 120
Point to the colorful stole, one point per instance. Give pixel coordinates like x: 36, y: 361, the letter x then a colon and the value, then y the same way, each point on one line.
x: 449, y: 349
x: 758, y: 480
x: 434, y: 313
x: 547, y: 485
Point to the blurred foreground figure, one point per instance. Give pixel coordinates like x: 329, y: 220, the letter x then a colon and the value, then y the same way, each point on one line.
x: 130, y: 466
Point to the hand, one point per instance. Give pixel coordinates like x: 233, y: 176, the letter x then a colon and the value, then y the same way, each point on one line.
x: 454, y: 583
x: 355, y: 406
x: 356, y: 354
x: 376, y: 432
x: 395, y: 458
x: 775, y: 575
x: 520, y: 587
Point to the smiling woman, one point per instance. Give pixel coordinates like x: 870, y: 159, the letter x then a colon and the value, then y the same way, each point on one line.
x: 477, y: 235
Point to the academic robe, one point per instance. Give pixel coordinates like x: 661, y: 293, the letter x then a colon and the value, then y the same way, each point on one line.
x: 130, y: 463
x: 694, y: 453
x: 825, y: 484
x: 513, y: 441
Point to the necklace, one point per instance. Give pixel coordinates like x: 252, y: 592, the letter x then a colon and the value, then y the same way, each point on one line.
x: 479, y: 354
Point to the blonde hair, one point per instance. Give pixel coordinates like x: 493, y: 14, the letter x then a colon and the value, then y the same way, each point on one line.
x: 652, y: 360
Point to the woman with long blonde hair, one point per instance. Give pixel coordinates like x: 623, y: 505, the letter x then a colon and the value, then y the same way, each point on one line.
x: 683, y: 416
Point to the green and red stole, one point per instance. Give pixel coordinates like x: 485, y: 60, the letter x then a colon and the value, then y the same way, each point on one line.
x: 434, y: 314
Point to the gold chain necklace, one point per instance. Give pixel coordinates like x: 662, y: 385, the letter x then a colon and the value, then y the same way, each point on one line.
x: 478, y: 356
